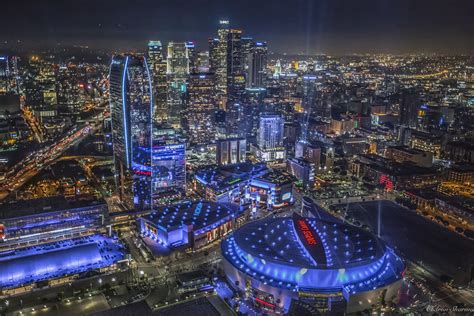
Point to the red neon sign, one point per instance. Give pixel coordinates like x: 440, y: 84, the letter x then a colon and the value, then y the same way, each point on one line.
x: 142, y: 173
x: 258, y: 300
x: 307, y: 234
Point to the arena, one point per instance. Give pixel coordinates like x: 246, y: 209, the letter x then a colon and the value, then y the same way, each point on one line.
x: 332, y: 266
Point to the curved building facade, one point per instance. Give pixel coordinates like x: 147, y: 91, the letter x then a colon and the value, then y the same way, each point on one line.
x: 330, y: 265
x: 131, y: 108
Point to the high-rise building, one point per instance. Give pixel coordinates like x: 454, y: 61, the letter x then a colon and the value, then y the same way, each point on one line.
x: 168, y: 162
x: 409, y: 105
x: 256, y: 65
x: 231, y: 150
x: 220, y: 56
x: 8, y: 74
x: 201, y: 108
x: 303, y: 170
x: 177, y: 76
x: 309, y: 152
x: 193, y: 57
x: 131, y: 102
x: 247, y: 46
x: 269, y: 145
x: 235, y: 81
x: 4, y: 74
x: 270, y: 134
x: 214, y: 55
x: 158, y: 73
x: 308, y: 103
x: 225, y: 55
x: 202, y: 62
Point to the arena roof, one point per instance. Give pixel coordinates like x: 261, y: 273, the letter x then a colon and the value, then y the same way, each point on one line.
x: 277, y: 239
x: 309, y: 252
x: 48, y: 261
x: 200, y: 214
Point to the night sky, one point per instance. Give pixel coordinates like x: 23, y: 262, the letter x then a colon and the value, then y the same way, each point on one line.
x: 291, y: 26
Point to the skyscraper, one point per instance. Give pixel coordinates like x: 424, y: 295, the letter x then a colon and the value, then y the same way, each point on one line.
x: 270, y: 138
x: 4, y: 74
x: 131, y: 102
x: 168, y: 162
x: 256, y: 65
x: 158, y: 73
x: 235, y: 81
x: 308, y: 103
x: 177, y: 76
x: 409, y: 105
x: 225, y: 55
x: 193, y: 57
x: 270, y: 134
x: 214, y: 56
x: 8, y: 74
x: 220, y: 57
x: 201, y: 108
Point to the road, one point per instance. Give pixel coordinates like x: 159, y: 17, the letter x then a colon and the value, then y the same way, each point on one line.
x: 36, y: 161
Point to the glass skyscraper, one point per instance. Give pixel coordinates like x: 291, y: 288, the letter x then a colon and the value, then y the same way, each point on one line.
x: 168, y: 161
x: 157, y: 65
x: 177, y: 73
x: 201, y: 108
x: 131, y: 107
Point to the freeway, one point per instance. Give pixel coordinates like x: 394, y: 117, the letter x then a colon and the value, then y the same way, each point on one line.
x: 36, y: 161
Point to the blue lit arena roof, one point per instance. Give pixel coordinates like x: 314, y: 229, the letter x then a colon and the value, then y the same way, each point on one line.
x: 200, y: 214
x: 53, y: 260
x: 311, y: 253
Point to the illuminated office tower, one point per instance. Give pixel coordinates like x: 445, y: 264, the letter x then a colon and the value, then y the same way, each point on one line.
x: 202, y: 62
x: 157, y: 65
x: 256, y: 65
x: 193, y: 57
x: 131, y: 102
x: 177, y: 75
x: 201, y: 107
x: 220, y: 61
x: 270, y: 139
x: 270, y: 134
x: 8, y: 74
x: 247, y: 45
x: 168, y: 162
x: 308, y: 103
x: 4, y: 74
x: 213, y: 55
x: 235, y: 81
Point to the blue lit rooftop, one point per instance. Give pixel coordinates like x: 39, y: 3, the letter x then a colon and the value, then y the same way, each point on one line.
x: 306, y: 252
x: 57, y: 259
x: 200, y: 214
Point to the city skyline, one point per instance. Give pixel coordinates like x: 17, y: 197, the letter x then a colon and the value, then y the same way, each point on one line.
x: 177, y: 164
x: 300, y: 27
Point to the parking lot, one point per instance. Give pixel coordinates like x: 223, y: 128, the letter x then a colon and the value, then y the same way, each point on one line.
x: 439, y: 250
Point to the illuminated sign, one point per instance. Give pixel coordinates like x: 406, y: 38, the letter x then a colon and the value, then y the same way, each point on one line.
x: 310, y: 240
x: 198, y: 209
x: 308, y: 235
